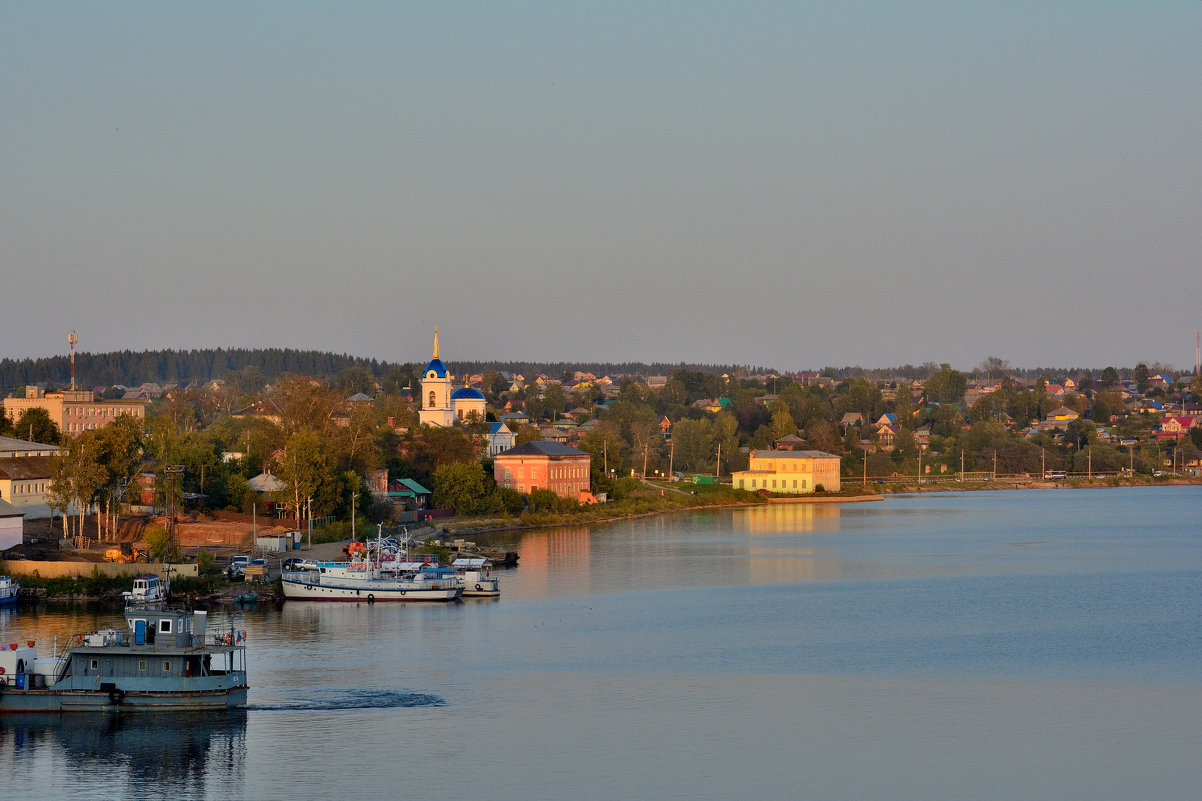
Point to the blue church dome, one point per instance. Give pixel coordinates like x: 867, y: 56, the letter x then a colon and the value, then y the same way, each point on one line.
x: 439, y: 369
x: 467, y: 393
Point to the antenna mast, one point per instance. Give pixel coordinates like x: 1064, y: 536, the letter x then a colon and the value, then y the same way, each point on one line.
x: 72, y: 338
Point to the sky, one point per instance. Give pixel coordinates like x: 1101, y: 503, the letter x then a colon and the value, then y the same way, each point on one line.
x: 790, y: 184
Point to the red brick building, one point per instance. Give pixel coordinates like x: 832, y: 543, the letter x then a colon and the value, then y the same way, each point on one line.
x: 544, y: 465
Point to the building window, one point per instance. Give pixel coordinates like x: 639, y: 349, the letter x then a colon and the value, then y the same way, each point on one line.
x: 431, y: 404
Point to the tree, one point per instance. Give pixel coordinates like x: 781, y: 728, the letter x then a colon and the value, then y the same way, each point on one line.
x: 823, y: 436
x: 694, y: 443
x: 308, y: 471
x: 673, y: 393
x: 356, y: 379
x: 946, y: 386
x: 555, y: 400
x: 35, y: 425
x: 162, y: 548
x: 1106, y: 404
x: 1141, y: 376
x: 726, y: 435
x: 459, y: 486
x: 1079, y: 433
x: 305, y: 405
x: 121, y: 454
x: 1110, y: 378
x: 903, y: 406
x: 994, y: 367
x: 782, y: 422
x: 78, y: 477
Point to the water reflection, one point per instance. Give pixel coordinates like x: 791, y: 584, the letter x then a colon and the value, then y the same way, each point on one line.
x: 790, y: 518
x: 176, y: 754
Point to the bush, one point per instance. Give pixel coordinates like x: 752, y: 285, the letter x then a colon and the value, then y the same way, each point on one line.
x: 204, y: 561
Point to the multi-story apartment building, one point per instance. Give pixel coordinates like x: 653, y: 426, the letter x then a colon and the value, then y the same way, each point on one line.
x: 74, y: 410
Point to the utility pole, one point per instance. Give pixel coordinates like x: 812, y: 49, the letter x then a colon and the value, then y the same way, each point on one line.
x: 961, y: 465
x: 1043, y: 462
x: 718, y: 464
x: 920, y: 469
x: 1089, y: 461
x: 865, y: 484
x: 644, y: 463
x: 995, y: 465
x: 354, y: 495
x: 172, y: 471
x: 671, y: 458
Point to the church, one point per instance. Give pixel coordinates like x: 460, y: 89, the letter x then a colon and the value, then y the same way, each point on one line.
x: 442, y: 404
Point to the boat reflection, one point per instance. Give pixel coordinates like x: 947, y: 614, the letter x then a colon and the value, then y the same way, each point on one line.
x: 177, y: 754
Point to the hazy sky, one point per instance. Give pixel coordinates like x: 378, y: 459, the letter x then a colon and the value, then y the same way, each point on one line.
x: 788, y: 184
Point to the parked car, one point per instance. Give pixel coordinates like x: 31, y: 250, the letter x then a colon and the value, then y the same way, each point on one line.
x: 237, y: 567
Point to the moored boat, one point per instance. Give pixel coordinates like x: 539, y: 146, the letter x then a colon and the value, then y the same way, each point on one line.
x: 377, y: 570
x: 366, y: 581
x: 10, y: 589
x: 478, y: 579
x: 167, y: 659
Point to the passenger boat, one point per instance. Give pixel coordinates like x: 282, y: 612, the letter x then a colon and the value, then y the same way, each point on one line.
x: 10, y: 589
x: 168, y: 659
x: 478, y: 580
x: 369, y: 575
x: 148, y: 589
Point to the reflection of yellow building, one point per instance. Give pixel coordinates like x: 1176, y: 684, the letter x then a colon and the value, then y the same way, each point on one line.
x: 780, y: 518
x: 792, y: 472
x: 787, y: 559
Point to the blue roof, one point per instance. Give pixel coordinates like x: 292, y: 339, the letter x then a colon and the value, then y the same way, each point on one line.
x: 440, y: 369
x: 467, y: 393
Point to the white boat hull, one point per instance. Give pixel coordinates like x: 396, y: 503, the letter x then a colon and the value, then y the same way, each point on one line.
x: 366, y: 591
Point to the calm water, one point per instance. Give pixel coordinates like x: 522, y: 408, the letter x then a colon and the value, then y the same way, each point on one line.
x: 986, y: 645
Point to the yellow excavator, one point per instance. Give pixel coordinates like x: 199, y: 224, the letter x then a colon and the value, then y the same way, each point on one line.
x: 126, y: 553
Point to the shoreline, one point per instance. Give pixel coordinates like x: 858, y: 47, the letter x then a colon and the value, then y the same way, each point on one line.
x: 903, y: 489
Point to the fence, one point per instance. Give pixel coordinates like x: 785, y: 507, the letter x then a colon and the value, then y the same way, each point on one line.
x: 25, y: 567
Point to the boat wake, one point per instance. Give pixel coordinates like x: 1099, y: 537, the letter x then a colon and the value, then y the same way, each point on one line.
x: 332, y: 700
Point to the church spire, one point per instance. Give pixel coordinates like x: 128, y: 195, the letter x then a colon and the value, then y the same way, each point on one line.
x: 435, y: 342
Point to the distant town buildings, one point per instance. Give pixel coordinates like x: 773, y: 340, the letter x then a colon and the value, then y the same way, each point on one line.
x: 74, y: 411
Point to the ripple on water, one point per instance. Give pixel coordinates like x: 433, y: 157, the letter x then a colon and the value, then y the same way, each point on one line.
x: 335, y: 699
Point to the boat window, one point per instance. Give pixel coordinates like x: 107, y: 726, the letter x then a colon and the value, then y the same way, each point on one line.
x: 165, y: 626
x: 166, y: 666
x: 142, y: 665
x: 95, y: 664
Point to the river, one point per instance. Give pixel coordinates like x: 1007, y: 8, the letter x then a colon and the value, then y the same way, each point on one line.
x: 1020, y: 644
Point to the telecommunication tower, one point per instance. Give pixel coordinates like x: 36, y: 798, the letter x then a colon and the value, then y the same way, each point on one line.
x: 72, y: 338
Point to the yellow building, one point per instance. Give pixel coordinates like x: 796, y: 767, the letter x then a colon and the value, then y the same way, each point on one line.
x: 74, y: 410
x: 792, y: 472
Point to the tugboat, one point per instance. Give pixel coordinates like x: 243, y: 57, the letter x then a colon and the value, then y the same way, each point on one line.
x: 168, y: 659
